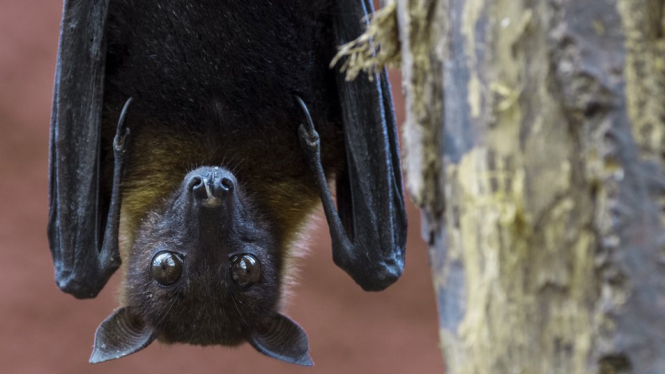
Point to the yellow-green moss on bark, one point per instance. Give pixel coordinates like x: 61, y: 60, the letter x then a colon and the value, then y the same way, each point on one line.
x: 522, y: 232
x: 534, y: 145
x: 644, y: 72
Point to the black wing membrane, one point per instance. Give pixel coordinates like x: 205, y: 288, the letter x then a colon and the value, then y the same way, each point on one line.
x: 372, y: 200
x: 368, y: 229
x: 85, y: 253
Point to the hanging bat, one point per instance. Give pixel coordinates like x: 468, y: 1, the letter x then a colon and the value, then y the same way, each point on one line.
x: 192, y: 141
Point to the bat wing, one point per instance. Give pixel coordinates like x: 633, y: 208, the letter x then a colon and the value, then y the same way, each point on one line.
x: 368, y: 229
x: 369, y: 197
x: 82, y: 231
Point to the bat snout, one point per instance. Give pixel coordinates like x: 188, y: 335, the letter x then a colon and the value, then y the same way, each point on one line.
x: 211, y: 186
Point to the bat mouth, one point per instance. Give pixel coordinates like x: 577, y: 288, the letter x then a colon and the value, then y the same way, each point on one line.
x: 212, y: 202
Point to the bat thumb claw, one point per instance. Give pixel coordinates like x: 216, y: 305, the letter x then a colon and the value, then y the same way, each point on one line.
x: 309, y: 141
x: 122, y: 132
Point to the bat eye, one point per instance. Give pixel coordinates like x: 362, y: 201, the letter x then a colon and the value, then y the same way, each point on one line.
x: 166, y: 268
x: 245, y: 270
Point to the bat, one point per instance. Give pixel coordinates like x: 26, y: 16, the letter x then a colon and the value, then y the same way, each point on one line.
x: 192, y: 141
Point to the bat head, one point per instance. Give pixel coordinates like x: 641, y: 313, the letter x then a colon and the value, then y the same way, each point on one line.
x: 204, y: 270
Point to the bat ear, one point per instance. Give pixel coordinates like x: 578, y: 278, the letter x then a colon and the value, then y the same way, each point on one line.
x: 122, y: 333
x: 284, y: 340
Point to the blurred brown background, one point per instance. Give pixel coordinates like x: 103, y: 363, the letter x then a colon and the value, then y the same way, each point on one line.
x: 46, y: 331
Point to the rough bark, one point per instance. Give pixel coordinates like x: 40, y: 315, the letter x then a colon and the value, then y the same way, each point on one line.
x: 534, y: 144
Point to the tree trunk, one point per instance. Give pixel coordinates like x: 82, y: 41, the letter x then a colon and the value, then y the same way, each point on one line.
x: 535, y: 145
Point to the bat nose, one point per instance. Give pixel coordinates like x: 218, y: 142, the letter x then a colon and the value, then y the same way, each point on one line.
x: 211, y: 185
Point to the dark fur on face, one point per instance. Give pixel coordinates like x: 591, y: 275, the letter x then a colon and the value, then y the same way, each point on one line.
x: 205, y: 306
x: 186, y: 285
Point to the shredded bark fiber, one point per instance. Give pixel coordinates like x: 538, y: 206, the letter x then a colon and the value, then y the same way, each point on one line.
x: 376, y: 48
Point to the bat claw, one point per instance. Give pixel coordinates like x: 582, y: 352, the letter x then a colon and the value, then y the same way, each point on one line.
x: 309, y: 141
x: 120, y: 140
x: 309, y: 138
x: 122, y: 132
